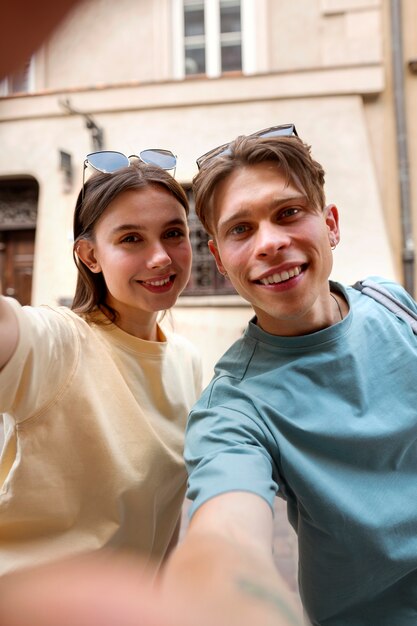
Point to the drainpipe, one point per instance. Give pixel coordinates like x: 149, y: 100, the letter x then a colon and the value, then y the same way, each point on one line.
x: 408, y: 255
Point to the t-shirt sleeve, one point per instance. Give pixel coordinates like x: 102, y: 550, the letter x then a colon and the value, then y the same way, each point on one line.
x: 42, y: 363
x: 227, y: 450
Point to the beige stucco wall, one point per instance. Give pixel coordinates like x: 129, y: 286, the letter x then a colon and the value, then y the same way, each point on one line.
x: 320, y: 33
x: 107, y: 42
x: 211, y: 329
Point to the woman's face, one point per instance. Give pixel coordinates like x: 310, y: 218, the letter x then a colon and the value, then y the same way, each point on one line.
x: 141, y: 245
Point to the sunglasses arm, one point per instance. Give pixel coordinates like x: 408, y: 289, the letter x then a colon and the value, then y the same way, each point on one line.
x: 84, y: 168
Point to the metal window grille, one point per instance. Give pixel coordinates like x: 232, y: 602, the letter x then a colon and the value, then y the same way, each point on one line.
x: 205, y: 279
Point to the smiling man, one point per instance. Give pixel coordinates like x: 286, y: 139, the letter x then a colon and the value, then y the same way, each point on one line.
x: 274, y: 244
x: 316, y: 402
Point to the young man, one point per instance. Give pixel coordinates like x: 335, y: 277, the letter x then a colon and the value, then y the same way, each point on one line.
x: 317, y: 402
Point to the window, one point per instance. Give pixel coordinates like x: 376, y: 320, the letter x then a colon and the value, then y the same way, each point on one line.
x: 194, y: 38
x: 21, y: 81
x: 230, y: 36
x: 212, y: 37
x: 205, y: 279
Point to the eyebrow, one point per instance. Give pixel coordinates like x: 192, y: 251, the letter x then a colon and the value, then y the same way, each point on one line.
x: 246, y: 212
x: 138, y: 227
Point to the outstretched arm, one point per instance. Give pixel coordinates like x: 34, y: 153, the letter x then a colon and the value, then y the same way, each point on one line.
x: 95, y: 590
x: 9, y: 332
x: 221, y: 575
x: 224, y: 568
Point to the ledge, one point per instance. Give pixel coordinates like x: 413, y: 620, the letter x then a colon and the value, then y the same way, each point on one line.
x: 317, y: 82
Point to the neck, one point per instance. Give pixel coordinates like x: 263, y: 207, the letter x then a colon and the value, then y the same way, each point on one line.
x: 148, y: 332
x: 139, y: 323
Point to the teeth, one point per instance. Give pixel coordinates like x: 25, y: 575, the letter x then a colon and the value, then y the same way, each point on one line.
x: 280, y: 277
x: 157, y: 283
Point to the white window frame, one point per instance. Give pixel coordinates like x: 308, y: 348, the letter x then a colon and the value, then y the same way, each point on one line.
x: 248, y: 10
x: 5, y: 83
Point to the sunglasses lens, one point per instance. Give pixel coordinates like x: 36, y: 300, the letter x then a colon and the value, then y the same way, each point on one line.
x: 107, y: 161
x: 163, y: 158
x: 280, y: 131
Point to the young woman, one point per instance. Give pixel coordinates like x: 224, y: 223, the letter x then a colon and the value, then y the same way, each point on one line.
x: 95, y: 398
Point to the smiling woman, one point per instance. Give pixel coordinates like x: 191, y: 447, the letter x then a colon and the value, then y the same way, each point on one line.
x: 143, y: 256
x: 94, y: 434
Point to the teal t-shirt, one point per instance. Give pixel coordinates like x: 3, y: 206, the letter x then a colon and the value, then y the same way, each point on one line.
x: 328, y: 421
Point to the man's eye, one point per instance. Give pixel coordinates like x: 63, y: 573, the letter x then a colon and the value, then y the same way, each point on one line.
x: 289, y: 212
x: 239, y: 229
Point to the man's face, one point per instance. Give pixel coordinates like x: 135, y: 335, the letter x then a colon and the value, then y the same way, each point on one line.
x: 276, y: 248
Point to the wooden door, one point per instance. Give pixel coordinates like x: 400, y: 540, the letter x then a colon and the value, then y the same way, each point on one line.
x: 16, y: 263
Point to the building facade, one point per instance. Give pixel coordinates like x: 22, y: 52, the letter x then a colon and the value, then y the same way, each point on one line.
x: 191, y: 74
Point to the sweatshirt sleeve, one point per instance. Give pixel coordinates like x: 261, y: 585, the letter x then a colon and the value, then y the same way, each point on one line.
x: 42, y: 364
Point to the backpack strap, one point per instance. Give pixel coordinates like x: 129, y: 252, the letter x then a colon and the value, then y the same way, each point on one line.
x: 385, y: 297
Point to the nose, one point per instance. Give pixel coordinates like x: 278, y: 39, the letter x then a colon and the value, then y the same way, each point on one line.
x: 158, y: 256
x: 270, y: 238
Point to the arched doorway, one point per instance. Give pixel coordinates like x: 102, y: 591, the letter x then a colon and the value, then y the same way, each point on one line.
x: 18, y: 212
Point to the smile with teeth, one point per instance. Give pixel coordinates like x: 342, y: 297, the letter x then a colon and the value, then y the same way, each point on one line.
x: 279, y: 277
x: 157, y: 283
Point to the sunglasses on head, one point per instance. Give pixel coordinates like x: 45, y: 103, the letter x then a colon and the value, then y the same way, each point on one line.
x: 284, y: 130
x: 109, y: 161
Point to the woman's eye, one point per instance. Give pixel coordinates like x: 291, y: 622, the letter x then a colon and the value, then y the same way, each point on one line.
x: 175, y: 232
x: 130, y: 239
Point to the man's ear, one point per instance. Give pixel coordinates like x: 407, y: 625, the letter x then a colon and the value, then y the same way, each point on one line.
x: 214, y: 251
x: 331, y: 215
x: 85, y: 251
